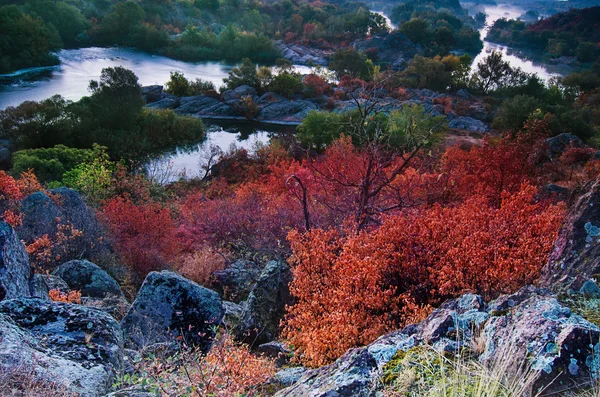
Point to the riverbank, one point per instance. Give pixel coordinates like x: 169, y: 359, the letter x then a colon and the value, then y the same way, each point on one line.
x: 244, y: 104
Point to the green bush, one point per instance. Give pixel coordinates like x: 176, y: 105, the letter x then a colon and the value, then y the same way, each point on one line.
x: 50, y: 164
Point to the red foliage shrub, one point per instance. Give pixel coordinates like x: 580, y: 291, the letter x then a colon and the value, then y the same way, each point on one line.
x: 351, y: 288
x: 144, y: 234
x: 315, y: 85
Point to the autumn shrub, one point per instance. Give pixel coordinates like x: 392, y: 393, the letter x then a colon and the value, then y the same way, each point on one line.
x: 71, y: 297
x: 199, y: 265
x: 46, y: 252
x: 228, y: 370
x: 350, y: 288
x: 144, y: 234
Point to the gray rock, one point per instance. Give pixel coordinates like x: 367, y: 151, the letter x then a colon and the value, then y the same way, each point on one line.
x: 561, y: 346
x: 89, y: 279
x: 575, y: 257
x: 269, y: 97
x: 276, y: 350
x: 301, y: 55
x: 352, y: 375
x: 165, y: 103
x: 236, y: 281
x: 233, y: 314
x: 168, y: 306
x: 558, y: 144
x: 590, y: 290
x: 71, y: 346
x: 265, y: 307
x: 15, y: 270
x: 468, y: 123
x: 152, y: 93
x: 55, y: 282
x: 38, y: 287
x: 195, y: 104
x: 286, y: 111
x: 42, y: 215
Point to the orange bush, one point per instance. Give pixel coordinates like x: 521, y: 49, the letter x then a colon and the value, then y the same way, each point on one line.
x: 351, y: 288
x: 200, y: 265
x: 71, y: 297
x: 45, y: 251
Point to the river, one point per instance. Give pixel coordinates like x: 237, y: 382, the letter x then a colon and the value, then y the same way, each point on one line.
x: 77, y: 67
x: 515, y: 58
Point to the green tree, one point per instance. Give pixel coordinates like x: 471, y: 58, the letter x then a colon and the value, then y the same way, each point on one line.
x: 66, y: 18
x: 417, y: 30
x: 25, y: 41
x: 514, y: 112
x: 245, y: 74
x: 348, y: 61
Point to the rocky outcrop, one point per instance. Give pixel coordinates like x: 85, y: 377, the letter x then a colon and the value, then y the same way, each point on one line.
x: 291, y: 112
x: 169, y: 306
x: 265, y: 306
x: 272, y: 108
x: 152, y: 93
x: 530, y: 328
x: 468, y: 124
x: 575, y: 256
x: 15, y: 270
x: 237, y: 281
x: 88, y: 278
x: 72, y: 346
x: 302, y: 55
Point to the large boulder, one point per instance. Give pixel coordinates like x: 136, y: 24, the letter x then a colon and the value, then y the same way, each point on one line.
x: 88, y: 278
x: 575, y: 256
x: 237, y: 281
x: 557, y: 145
x: 468, y: 123
x: 73, y: 347
x: 15, y: 270
x: 286, y: 111
x: 265, y: 307
x: 43, y: 215
x: 169, y: 306
x: 152, y: 93
x: 531, y: 329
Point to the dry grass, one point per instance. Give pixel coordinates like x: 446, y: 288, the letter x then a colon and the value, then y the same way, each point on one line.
x: 22, y: 382
x: 424, y: 371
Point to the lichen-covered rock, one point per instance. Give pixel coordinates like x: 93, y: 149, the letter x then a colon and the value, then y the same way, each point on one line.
x: 530, y: 329
x: 232, y: 314
x: 15, y: 270
x: 350, y: 376
x: 88, y: 278
x: 575, y: 256
x: 168, y: 306
x: 265, y: 307
x: 38, y: 287
x: 64, y: 344
x: 561, y: 346
x: 237, y: 281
